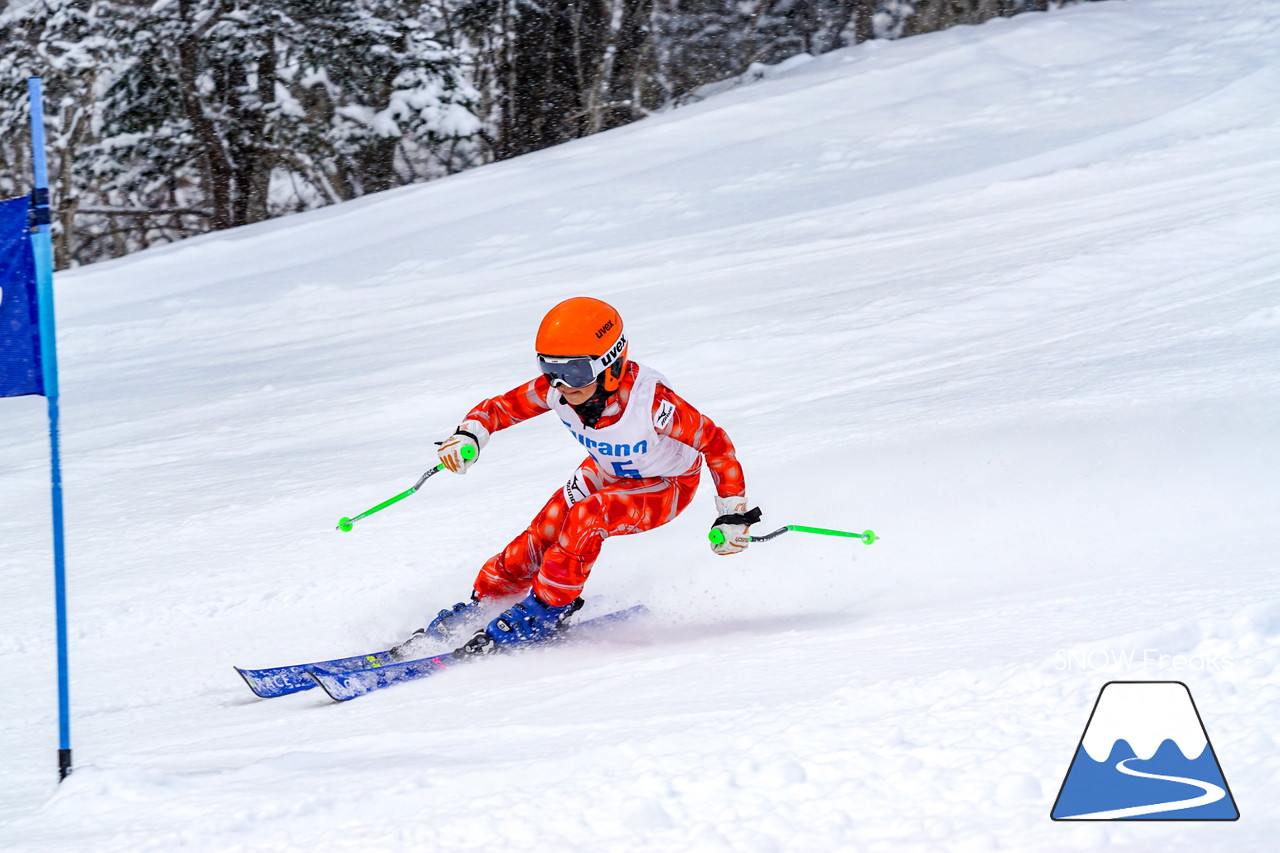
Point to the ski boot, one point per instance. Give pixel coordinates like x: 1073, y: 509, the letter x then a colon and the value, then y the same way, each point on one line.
x: 525, y: 623
x: 448, y: 625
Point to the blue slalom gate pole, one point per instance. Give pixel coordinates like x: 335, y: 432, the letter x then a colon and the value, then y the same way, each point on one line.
x: 42, y: 246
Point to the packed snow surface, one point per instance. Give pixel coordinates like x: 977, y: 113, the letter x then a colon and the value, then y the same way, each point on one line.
x: 1008, y: 295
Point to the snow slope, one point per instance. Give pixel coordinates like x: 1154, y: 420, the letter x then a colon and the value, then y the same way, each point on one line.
x: 1008, y: 294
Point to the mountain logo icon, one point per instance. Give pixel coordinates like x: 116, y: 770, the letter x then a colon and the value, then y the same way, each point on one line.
x: 1145, y: 755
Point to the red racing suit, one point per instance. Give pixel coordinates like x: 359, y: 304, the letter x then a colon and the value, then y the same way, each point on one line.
x: 559, y: 547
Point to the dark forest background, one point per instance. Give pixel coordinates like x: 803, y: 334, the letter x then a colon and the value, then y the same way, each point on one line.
x: 174, y: 118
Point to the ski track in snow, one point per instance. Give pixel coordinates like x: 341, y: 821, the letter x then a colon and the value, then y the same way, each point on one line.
x: 1007, y: 294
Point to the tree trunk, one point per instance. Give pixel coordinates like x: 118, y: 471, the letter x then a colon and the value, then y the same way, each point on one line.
x: 378, y: 166
x: 625, y: 83
x: 556, y: 57
x: 219, y: 175
x: 864, y: 26
x: 259, y: 157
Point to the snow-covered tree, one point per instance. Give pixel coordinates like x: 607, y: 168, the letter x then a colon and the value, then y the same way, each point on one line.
x: 167, y: 118
x: 172, y: 117
x: 702, y: 41
x: 223, y: 95
x: 64, y: 43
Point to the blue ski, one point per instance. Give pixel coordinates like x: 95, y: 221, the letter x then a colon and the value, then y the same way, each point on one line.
x: 283, y: 680
x: 344, y: 684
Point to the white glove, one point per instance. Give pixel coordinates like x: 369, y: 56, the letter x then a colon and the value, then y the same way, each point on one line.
x: 729, y: 534
x: 460, y: 450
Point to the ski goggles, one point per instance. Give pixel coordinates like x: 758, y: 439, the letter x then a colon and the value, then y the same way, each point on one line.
x: 578, y: 371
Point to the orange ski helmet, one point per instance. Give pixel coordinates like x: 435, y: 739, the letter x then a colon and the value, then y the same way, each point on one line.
x: 580, y: 340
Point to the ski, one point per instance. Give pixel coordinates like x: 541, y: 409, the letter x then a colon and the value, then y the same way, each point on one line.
x: 345, y: 684
x: 276, y: 681
x: 283, y: 680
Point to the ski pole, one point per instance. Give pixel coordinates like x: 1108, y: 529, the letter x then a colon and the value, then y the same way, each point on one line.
x: 345, y: 524
x: 867, y: 536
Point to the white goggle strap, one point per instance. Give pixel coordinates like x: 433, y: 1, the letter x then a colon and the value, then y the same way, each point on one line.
x: 599, y: 365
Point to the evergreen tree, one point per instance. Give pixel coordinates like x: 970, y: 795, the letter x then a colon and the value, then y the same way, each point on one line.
x: 223, y: 93
x: 62, y: 42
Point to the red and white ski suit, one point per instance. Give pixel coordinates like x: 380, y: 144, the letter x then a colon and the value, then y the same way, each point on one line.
x: 604, y: 497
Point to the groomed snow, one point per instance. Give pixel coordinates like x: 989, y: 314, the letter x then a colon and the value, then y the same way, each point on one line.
x: 1006, y: 294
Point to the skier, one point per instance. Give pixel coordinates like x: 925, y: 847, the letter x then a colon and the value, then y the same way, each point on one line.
x: 645, y: 446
